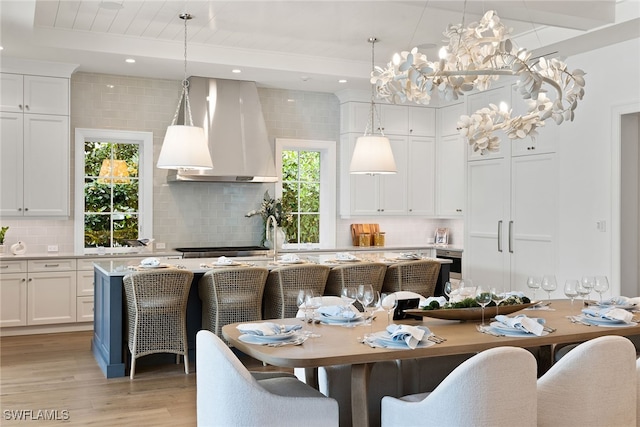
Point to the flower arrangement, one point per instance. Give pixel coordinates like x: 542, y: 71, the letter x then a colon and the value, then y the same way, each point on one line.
x: 272, y: 207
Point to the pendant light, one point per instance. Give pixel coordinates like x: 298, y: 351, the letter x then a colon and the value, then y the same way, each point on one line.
x: 185, y: 146
x: 372, y: 154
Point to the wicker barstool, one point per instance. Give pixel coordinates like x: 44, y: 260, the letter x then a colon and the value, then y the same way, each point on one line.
x: 231, y: 295
x: 283, y: 284
x: 415, y: 276
x: 358, y: 273
x: 156, y: 310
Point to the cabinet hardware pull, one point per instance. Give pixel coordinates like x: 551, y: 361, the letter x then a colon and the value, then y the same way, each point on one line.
x: 26, y: 106
x: 4, y: 266
x: 511, y: 237
x: 30, y: 279
x: 52, y: 265
x: 500, y: 236
x: 19, y: 209
x: 26, y: 209
x: 20, y: 106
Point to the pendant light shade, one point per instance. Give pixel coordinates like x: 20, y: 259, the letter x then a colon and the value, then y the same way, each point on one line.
x: 185, y: 146
x: 372, y: 155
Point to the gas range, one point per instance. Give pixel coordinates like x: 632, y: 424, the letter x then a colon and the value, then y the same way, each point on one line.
x: 218, y: 251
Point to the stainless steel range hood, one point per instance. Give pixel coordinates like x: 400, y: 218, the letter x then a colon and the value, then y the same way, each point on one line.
x: 231, y: 115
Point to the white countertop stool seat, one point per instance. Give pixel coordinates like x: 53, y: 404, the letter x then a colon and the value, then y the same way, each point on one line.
x: 156, y: 313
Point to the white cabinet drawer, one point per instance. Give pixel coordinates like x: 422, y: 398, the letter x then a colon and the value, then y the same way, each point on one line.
x: 84, y: 309
x: 84, y: 283
x: 13, y: 267
x: 58, y: 264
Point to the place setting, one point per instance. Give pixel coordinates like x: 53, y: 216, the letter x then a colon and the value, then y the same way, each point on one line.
x: 343, y: 257
x: 224, y: 261
x: 271, y: 334
x: 402, y: 337
x: 516, y: 326
x: 610, y: 317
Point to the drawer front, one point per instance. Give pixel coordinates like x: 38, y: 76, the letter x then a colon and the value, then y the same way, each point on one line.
x: 84, y: 283
x: 84, y: 309
x: 62, y: 264
x: 13, y: 267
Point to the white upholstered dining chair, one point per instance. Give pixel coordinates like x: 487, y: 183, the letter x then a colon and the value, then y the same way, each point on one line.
x: 638, y: 393
x: 496, y: 387
x: 595, y: 384
x: 228, y: 395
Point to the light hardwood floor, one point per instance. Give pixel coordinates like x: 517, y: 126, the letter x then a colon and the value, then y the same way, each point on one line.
x: 57, y: 372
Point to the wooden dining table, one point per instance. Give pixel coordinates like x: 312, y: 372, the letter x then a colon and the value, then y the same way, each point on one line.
x: 338, y: 345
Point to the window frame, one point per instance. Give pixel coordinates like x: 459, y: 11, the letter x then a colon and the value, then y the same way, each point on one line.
x: 328, y: 168
x: 145, y: 176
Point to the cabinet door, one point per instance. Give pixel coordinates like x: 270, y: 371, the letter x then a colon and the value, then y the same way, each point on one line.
x: 480, y: 100
x: 422, y: 121
x: 46, y: 166
x: 13, y: 299
x: 84, y: 309
x: 486, y: 256
x: 450, y: 167
x: 546, y: 140
x: 84, y: 282
x: 421, y: 176
x: 393, y: 188
x: 51, y: 298
x: 354, y: 117
x: 11, y: 164
x: 449, y: 117
x: 11, y: 98
x: 46, y: 95
x: 534, y: 208
x: 394, y: 119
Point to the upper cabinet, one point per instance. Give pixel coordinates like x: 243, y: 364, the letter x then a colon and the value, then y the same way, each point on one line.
x: 391, y: 119
x: 34, y: 117
x: 422, y: 121
x: 479, y: 100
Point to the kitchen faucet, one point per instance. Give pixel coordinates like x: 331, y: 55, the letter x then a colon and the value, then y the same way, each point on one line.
x: 272, y: 219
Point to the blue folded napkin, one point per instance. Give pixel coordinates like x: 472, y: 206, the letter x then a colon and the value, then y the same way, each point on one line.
x: 609, y: 313
x: 411, y: 335
x: 531, y: 325
x: 266, y: 328
x: 336, y: 311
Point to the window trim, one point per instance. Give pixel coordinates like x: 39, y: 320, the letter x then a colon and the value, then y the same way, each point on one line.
x: 328, y: 167
x: 145, y: 173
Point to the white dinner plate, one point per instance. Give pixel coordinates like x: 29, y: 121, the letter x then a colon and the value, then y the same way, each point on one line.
x: 512, y: 332
x: 340, y: 319
x: 154, y: 266
x: 600, y: 321
x: 622, y: 306
x: 262, y: 339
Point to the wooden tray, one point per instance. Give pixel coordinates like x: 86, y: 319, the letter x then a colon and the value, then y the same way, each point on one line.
x: 472, y: 313
x: 358, y: 229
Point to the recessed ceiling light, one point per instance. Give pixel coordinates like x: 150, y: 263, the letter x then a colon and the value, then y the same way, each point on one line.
x: 130, y: 61
x: 110, y: 86
x: 112, y: 5
x: 342, y: 81
x: 236, y: 71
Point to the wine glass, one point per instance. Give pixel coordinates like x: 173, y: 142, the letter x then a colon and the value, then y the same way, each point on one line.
x: 534, y: 284
x: 587, y: 283
x: 300, y: 300
x: 582, y: 291
x: 348, y: 296
x: 498, y: 295
x: 483, y: 297
x: 364, y: 295
x: 549, y: 284
x: 571, y: 289
x: 601, y: 285
x: 388, y: 302
x: 312, y: 302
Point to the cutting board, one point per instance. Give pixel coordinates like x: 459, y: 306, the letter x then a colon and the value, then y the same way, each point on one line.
x: 358, y: 229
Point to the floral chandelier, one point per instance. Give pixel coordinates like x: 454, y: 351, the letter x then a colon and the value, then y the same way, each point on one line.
x: 475, y: 56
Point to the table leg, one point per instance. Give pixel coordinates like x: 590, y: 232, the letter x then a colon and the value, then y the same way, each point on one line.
x: 545, y: 356
x: 359, y: 385
x: 311, y: 377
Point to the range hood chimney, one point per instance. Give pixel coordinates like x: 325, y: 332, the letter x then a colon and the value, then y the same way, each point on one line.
x: 231, y: 115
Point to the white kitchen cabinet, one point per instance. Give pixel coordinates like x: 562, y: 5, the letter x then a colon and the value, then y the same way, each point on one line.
x: 34, y: 147
x: 354, y: 117
x: 450, y: 164
x: 13, y: 293
x: 394, y: 119
x: 51, y: 291
x: 84, y: 309
x: 34, y: 94
x: 546, y: 140
x: 375, y: 194
x: 421, y: 176
x: 510, y: 223
x: 422, y: 121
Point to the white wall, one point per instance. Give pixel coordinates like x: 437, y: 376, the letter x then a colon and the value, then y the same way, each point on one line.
x: 584, y: 159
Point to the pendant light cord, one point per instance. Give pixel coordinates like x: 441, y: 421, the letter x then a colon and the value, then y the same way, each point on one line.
x: 185, y: 83
x: 373, y: 114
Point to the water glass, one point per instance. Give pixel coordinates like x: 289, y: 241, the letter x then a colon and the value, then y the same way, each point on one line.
x: 388, y: 302
x: 587, y: 283
x: 312, y: 302
x: 483, y: 297
x: 497, y: 296
x: 534, y: 284
x: 549, y: 284
x: 601, y: 285
x: 571, y: 289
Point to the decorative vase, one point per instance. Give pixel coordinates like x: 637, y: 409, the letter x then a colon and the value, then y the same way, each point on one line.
x: 280, y: 238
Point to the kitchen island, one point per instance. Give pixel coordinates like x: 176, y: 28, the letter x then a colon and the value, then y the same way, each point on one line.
x: 108, y: 343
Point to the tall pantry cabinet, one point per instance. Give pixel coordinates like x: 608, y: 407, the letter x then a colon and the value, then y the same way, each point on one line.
x: 510, y: 223
x: 34, y: 145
